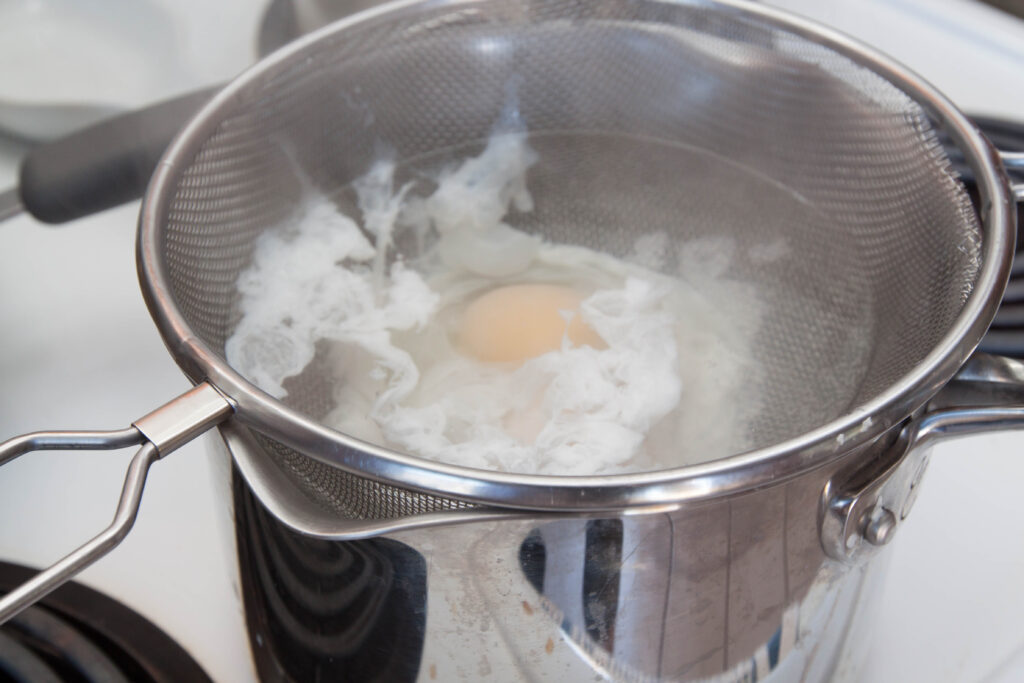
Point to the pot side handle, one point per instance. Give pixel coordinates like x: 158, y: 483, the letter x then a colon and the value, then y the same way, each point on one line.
x: 864, y: 506
x: 1014, y: 161
x: 159, y: 433
x: 987, y: 394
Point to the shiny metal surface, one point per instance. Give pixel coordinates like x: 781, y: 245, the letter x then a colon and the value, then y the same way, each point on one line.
x: 292, y: 503
x: 859, y: 495
x: 184, y: 418
x: 986, y: 395
x: 729, y: 587
x: 229, y: 177
x: 984, y: 370
x: 880, y: 527
x: 68, y: 440
x: 65, y: 569
x: 737, y: 589
x: 1013, y: 160
x: 870, y: 499
x: 160, y: 432
x: 731, y: 590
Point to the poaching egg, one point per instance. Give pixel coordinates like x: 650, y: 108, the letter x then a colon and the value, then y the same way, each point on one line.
x: 489, y: 346
x: 521, y: 321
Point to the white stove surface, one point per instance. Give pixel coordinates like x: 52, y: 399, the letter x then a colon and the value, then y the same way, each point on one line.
x: 78, y: 350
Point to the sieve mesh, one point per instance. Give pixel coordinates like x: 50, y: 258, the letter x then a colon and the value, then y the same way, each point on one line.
x: 695, y: 121
x: 351, y: 496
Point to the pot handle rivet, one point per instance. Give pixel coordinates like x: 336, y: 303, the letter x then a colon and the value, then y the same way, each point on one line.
x: 880, y: 527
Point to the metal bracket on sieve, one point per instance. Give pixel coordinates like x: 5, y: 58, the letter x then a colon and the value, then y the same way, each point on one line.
x: 160, y: 432
x: 864, y: 507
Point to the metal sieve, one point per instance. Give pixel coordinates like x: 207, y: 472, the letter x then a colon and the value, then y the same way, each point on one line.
x: 703, y: 121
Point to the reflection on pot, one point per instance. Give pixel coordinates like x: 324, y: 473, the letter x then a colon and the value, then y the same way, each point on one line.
x: 322, y: 610
x: 731, y: 591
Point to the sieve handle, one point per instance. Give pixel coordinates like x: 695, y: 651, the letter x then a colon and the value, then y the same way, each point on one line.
x: 103, y: 165
x: 159, y: 433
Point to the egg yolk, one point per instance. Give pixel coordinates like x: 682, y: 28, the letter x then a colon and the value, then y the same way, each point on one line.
x: 517, y: 322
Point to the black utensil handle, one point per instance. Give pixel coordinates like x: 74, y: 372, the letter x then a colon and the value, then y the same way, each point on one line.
x: 104, y: 165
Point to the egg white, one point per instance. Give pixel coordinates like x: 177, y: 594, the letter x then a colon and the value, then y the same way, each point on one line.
x: 401, y: 381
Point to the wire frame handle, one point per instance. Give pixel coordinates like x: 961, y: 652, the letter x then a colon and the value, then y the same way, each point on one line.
x: 159, y: 433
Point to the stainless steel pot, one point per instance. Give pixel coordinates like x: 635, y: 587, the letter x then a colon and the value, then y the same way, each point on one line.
x: 783, y: 580
x: 735, y: 567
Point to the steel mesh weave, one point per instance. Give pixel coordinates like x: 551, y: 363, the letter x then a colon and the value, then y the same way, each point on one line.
x: 695, y: 121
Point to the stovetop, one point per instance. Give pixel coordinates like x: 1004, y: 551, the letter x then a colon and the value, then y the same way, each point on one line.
x: 79, y: 635
x: 79, y: 350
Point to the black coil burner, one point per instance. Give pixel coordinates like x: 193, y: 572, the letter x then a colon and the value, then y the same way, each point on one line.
x: 78, y: 635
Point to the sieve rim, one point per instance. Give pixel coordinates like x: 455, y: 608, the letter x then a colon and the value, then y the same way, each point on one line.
x: 726, y: 476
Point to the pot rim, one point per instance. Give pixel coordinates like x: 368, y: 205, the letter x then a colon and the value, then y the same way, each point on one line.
x: 713, y: 479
